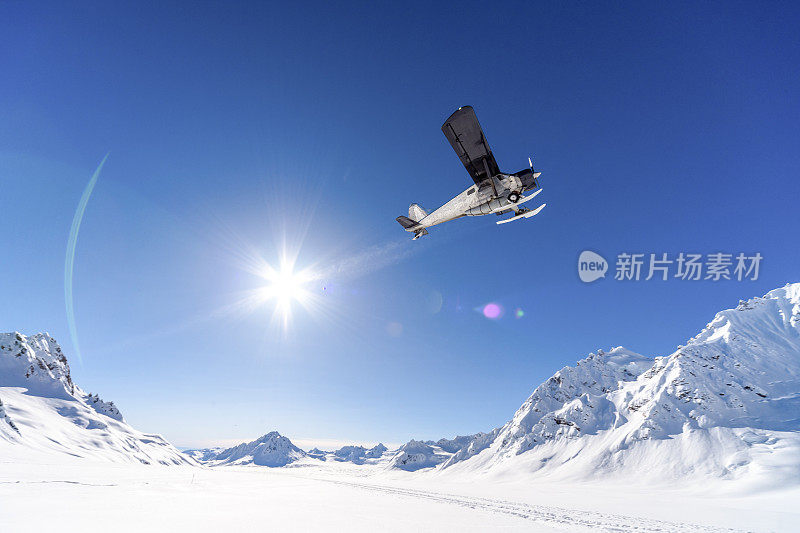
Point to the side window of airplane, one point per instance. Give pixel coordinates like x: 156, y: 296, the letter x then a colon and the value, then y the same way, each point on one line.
x: 470, y: 191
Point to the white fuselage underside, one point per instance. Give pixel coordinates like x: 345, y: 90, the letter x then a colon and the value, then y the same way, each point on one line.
x: 475, y: 197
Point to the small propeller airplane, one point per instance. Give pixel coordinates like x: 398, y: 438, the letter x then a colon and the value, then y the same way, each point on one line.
x: 493, y: 191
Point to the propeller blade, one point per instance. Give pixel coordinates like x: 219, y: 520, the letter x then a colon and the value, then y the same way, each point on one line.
x: 535, y: 174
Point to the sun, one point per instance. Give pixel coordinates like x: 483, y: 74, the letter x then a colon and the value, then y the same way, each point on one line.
x: 285, y: 286
x: 289, y: 286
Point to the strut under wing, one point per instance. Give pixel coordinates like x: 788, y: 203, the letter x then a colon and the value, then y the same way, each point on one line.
x: 466, y: 137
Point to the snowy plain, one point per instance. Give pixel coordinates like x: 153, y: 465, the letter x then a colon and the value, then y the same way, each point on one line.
x: 38, y: 492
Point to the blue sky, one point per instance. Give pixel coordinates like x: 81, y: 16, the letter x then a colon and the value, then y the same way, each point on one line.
x: 236, y: 129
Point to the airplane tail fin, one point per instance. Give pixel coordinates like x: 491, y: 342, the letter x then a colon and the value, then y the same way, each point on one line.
x: 409, y: 223
x: 416, y: 213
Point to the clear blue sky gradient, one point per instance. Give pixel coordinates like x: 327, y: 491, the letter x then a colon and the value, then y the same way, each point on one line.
x: 232, y: 127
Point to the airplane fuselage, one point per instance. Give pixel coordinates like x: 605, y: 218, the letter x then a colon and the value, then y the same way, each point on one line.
x: 476, y: 201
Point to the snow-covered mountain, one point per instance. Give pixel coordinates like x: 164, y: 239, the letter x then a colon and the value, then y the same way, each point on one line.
x: 725, y: 405
x: 359, y: 454
x: 416, y: 455
x: 43, y: 411
x: 316, y: 453
x: 272, y: 449
x: 597, y: 374
x: 202, y: 455
x: 558, y: 405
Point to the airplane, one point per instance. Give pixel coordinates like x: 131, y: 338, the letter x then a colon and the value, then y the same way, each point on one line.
x: 493, y: 190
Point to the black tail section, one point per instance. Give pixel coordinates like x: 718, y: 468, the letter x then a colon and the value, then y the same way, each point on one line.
x: 406, y: 222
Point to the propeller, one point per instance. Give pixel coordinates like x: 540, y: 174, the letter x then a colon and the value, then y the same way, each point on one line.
x: 533, y: 172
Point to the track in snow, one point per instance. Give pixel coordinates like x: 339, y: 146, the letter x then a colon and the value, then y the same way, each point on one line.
x: 569, y: 519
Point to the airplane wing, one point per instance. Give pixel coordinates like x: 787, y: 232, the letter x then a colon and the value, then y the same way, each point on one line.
x: 466, y: 137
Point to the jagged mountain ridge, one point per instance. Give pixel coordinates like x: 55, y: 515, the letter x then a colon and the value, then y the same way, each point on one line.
x: 43, y: 411
x: 417, y: 455
x: 718, y: 406
x: 726, y: 404
x: 36, y: 363
x: 562, y: 405
x: 596, y: 374
x: 359, y: 454
x: 726, y: 389
x: 742, y: 370
x: 273, y: 449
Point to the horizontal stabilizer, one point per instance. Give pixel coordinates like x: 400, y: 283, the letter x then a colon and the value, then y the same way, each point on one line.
x: 406, y: 222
